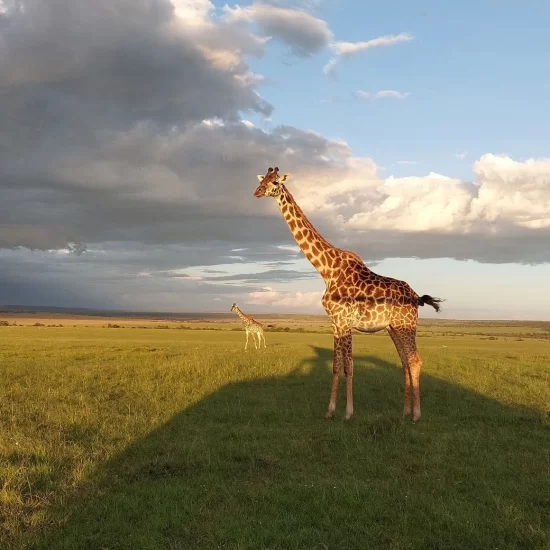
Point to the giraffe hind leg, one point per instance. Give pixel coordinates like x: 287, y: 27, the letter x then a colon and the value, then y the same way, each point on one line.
x: 404, y: 339
x: 336, y: 365
x: 347, y: 357
x: 406, y: 371
x: 415, y: 366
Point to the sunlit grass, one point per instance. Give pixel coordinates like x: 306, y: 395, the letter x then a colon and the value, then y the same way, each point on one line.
x: 143, y: 439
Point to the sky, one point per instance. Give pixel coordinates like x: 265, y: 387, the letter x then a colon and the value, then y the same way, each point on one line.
x: 414, y: 133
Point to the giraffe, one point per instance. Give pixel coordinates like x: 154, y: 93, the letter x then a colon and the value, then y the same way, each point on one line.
x: 355, y: 298
x: 251, y: 326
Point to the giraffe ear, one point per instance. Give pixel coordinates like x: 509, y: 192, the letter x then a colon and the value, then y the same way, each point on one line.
x: 260, y: 177
x: 286, y: 177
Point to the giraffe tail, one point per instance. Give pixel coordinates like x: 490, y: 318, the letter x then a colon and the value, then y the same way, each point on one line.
x: 431, y: 301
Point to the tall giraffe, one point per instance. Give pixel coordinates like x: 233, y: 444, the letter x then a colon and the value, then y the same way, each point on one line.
x: 251, y: 326
x: 355, y: 298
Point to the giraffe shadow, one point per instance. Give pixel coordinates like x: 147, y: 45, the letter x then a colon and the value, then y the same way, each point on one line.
x: 256, y: 465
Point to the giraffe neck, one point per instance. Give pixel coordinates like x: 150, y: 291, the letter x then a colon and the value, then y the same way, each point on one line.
x: 243, y: 317
x: 312, y: 244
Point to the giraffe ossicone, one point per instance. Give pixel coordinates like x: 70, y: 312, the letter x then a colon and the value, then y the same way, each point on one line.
x: 251, y: 327
x: 355, y: 298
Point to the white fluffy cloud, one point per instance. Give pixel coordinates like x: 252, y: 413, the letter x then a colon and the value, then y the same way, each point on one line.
x: 517, y: 192
x: 505, y: 196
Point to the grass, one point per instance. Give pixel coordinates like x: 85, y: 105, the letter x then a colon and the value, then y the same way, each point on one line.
x: 175, y: 439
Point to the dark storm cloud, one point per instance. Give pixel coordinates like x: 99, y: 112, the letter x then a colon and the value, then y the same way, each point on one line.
x: 518, y: 246
x: 115, y: 278
x: 150, y: 186
x: 120, y: 60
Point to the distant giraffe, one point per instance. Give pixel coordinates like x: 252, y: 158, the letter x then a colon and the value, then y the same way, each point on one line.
x: 251, y: 326
x: 355, y: 298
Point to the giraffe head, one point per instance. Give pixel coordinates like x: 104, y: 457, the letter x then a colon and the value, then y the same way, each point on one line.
x: 233, y: 307
x: 270, y: 183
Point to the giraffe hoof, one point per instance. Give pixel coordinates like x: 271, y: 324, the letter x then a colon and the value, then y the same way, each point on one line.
x: 329, y: 414
x: 348, y: 416
x: 415, y: 419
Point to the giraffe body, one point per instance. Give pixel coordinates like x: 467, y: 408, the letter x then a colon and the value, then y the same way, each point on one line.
x: 251, y: 327
x: 361, y: 299
x: 355, y: 298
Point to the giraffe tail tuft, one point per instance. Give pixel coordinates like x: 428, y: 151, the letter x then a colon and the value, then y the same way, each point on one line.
x: 431, y: 301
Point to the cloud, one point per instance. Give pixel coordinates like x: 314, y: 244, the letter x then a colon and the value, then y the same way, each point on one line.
x: 461, y: 156
x: 75, y: 55
x: 512, y: 191
x: 503, y: 216
x: 506, y: 195
x: 76, y: 248
x: 271, y: 275
x: 156, y: 185
x: 194, y: 186
x: 329, y: 68
x: 130, y: 276
x: 382, y: 94
x: 303, y: 33
x: 294, y: 301
x: 346, y: 50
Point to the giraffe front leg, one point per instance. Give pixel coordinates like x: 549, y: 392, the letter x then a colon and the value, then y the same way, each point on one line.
x: 254, y: 338
x: 246, y: 344
x: 347, y: 354
x: 336, y: 363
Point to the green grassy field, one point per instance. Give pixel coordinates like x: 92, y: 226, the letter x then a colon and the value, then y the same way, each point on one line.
x: 176, y: 439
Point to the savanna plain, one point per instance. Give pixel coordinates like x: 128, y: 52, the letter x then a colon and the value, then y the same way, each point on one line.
x: 161, y: 433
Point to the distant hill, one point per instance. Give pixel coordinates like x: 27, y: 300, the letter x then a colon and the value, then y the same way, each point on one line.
x: 120, y: 314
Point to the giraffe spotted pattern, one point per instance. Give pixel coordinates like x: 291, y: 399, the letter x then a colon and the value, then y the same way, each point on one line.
x: 355, y: 298
x: 251, y: 326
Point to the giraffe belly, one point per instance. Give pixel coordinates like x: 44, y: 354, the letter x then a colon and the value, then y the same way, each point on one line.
x: 370, y: 326
x: 359, y: 315
x: 369, y: 318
